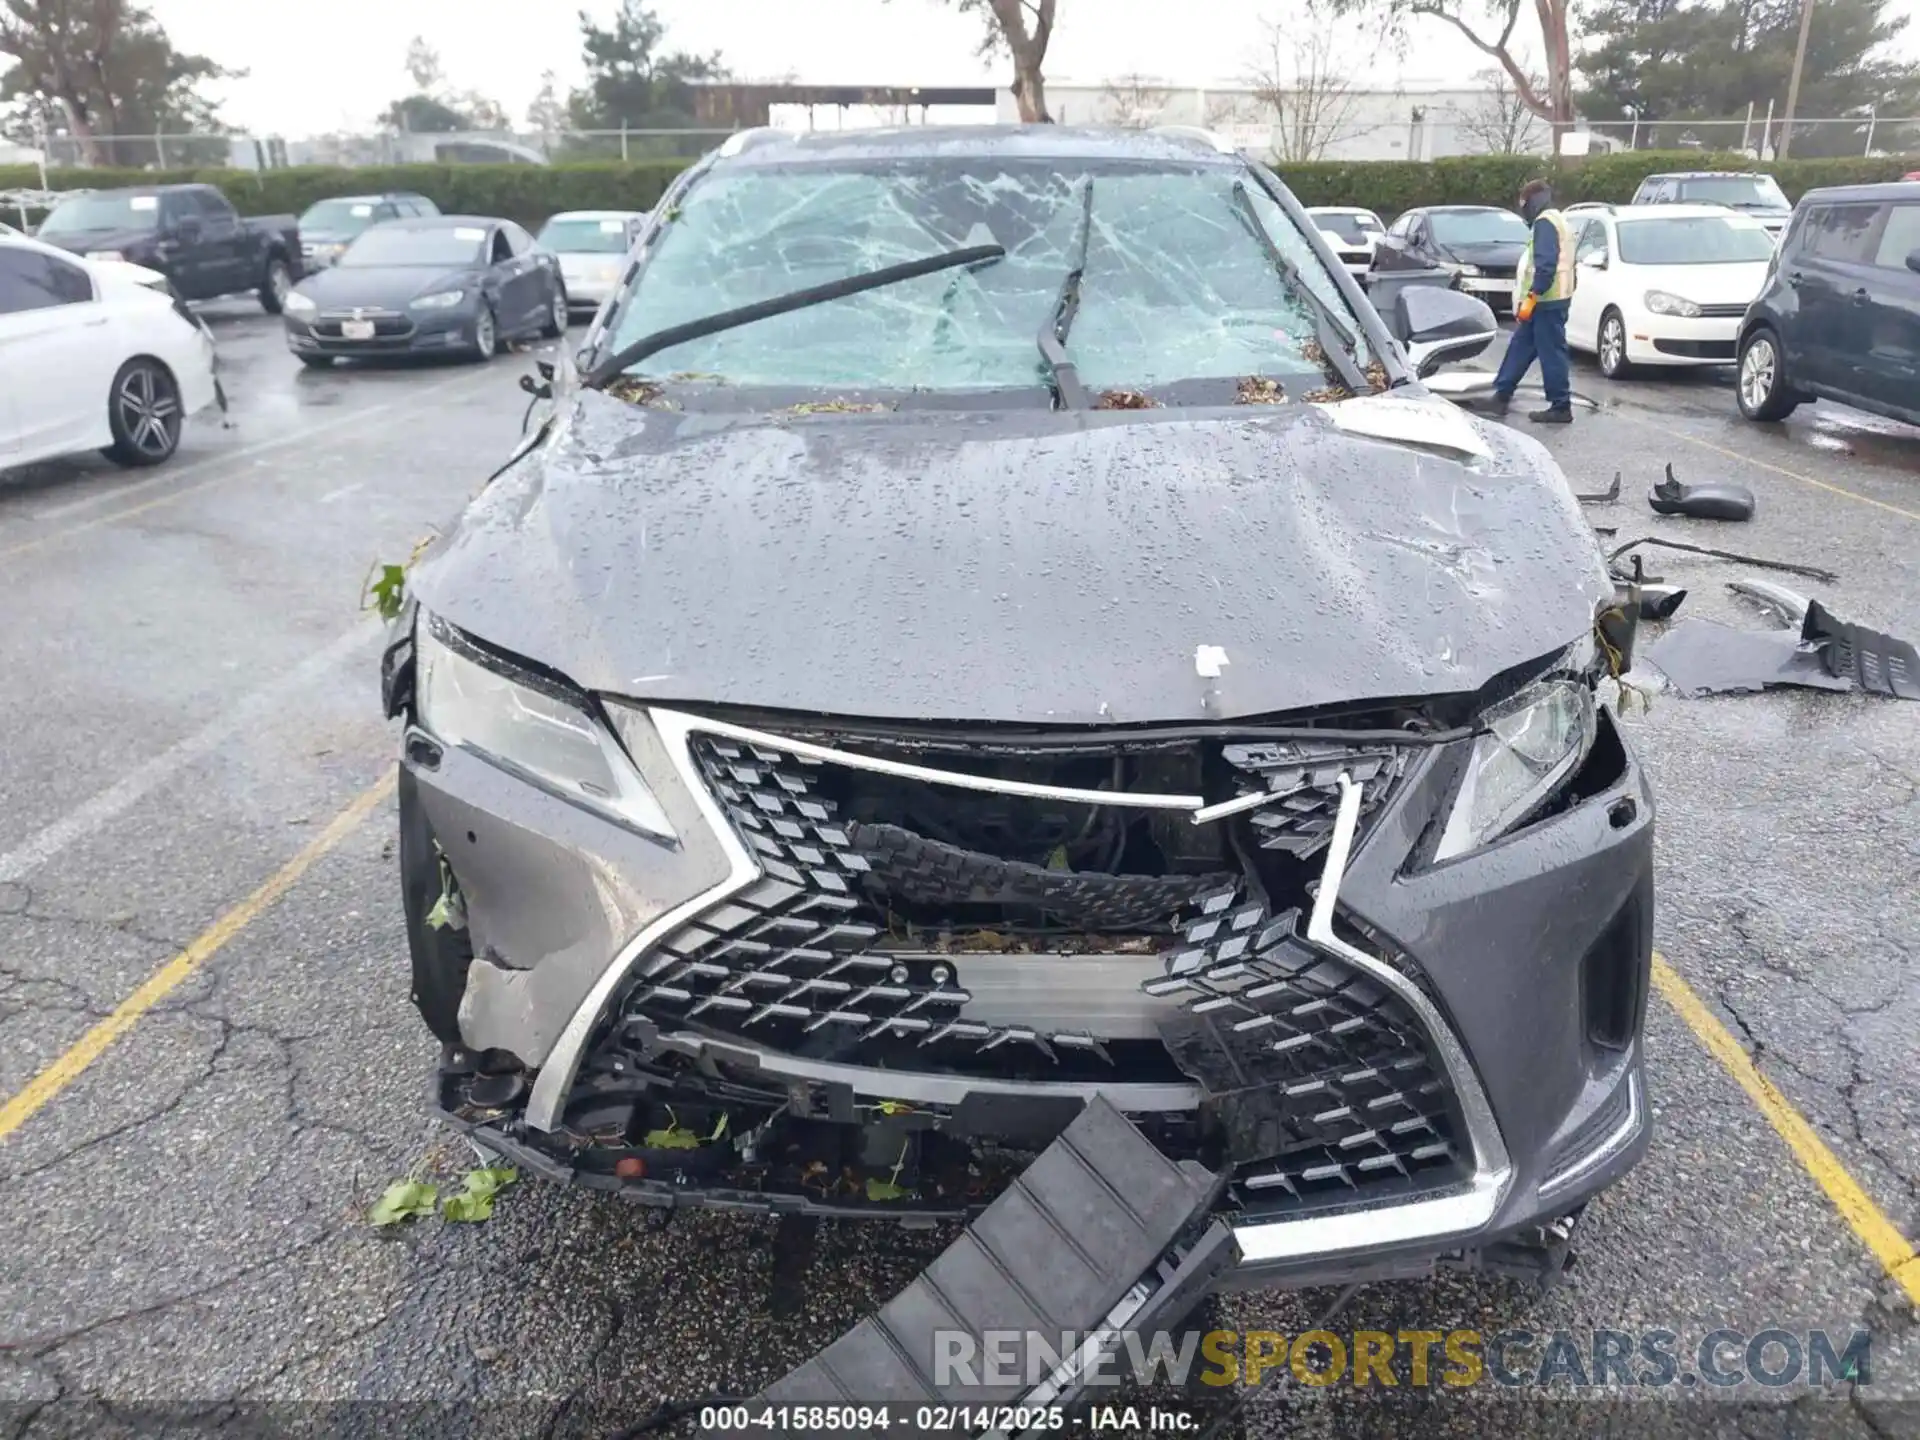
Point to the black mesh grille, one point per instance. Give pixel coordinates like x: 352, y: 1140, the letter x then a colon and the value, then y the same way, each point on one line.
x: 1323, y: 1076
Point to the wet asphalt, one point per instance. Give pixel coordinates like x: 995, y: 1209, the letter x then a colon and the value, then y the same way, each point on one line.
x: 189, y: 699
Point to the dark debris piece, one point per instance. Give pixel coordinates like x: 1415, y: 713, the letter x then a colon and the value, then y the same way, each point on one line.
x: 1602, y: 497
x: 1812, y: 572
x: 1703, y: 657
x: 1701, y: 502
x: 1871, y: 659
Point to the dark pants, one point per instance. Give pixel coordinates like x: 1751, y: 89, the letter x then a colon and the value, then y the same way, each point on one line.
x: 1544, y: 337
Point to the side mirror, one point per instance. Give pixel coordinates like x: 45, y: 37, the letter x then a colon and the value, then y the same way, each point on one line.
x: 1593, y: 262
x: 187, y: 227
x: 1441, y: 326
x: 1913, y: 260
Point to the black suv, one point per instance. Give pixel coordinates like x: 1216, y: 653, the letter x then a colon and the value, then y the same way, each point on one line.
x: 1749, y: 192
x: 1839, y: 318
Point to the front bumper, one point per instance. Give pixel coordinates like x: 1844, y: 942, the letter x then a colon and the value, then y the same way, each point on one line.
x: 1495, y: 289
x: 395, y: 333
x: 1521, y: 968
x: 1676, y: 340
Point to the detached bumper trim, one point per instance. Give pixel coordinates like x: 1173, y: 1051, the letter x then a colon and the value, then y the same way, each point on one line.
x: 1616, y: 1140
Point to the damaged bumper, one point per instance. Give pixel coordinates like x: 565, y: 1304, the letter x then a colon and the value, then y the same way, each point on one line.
x: 873, y: 974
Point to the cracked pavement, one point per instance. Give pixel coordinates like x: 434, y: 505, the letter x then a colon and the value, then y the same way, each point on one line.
x: 185, y: 1222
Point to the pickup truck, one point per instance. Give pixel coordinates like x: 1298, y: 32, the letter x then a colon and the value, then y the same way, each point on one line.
x: 189, y: 233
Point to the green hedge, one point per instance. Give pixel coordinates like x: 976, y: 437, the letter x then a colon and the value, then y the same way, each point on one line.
x: 527, y: 193
x: 1390, y: 186
x: 530, y: 193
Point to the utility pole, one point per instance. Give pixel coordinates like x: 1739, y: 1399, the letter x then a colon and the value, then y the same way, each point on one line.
x: 1793, y: 84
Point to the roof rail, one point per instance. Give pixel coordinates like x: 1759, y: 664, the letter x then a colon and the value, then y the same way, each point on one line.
x: 742, y: 139
x: 1200, y: 134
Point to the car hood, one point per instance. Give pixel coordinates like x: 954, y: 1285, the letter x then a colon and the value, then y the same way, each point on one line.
x: 1026, y: 566
x: 1734, y: 284
x: 389, y: 285
x: 1492, y: 254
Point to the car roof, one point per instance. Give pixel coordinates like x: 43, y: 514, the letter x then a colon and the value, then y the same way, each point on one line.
x: 444, y: 222
x: 1889, y: 190
x: 376, y: 195
x: 1338, y: 210
x: 934, y: 142
x: 1684, y: 212
x: 595, y: 215
x: 1462, y: 209
x: 1709, y: 175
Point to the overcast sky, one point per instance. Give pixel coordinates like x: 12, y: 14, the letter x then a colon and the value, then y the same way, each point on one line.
x: 340, y: 64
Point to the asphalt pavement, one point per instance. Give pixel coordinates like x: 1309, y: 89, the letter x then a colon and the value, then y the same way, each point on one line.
x: 190, y: 707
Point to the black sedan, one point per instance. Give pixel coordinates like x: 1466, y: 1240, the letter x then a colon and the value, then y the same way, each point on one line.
x: 441, y: 284
x: 1480, y: 244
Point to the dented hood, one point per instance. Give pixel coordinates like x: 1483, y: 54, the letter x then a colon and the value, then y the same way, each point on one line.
x: 1025, y: 566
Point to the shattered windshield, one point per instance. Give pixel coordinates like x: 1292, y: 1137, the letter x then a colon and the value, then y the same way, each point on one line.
x: 1177, y: 286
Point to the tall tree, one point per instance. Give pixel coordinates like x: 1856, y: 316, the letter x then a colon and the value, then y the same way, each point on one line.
x: 1499, y: 122
x: 103, y: 72
x: 547, y: 113
x: 432, y: 109
x: 1021, y: 29
x: 1673, y: 61
x: 631, y: 82
x: 1491, y: 26
x: 1302, y: 78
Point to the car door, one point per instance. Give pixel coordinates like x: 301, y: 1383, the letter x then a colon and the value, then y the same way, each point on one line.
x: 226, y: 243
x: 182, y: 244
x: 1592, y: 260
x: 541, y: 269
x: 511, y: 281
x: 1892, y: 362
x: 1830, y: 276
x: 58, y: 350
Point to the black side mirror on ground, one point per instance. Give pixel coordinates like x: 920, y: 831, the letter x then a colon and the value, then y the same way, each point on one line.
x: 1439, y: 325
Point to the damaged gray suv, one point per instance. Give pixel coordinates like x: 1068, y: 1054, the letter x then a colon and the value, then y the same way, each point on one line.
x: 992, y: 629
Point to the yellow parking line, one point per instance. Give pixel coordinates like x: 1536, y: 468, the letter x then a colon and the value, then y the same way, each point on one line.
x: 1777, y: 469
x: 69, y: 1066
x: 1879, y: 1234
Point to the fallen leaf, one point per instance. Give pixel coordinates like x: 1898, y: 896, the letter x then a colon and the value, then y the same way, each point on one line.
x: 670, y: 1140
x: 476, y: 1201
x: 403, y: 1200
x: 388, y: 590
x: 884, y: 1190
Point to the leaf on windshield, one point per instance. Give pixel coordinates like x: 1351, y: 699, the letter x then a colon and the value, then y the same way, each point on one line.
x: 1125, y: 400
x: 835, y: 407
x: 1259, y: 390
x: 635, y: 391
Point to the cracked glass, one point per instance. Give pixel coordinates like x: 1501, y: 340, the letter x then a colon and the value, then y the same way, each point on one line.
x: 1177, y: 287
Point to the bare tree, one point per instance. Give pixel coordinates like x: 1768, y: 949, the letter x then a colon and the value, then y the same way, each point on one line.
x: 1489, y: 25
x: 1022, y: 28
x: 1302, y: 81
x: 1500, y: 122
x: 423, y: 64
x: 1134, y: 101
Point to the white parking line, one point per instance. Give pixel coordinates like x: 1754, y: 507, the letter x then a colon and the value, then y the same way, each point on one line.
x: 214, y: 462
x: 263, y: 704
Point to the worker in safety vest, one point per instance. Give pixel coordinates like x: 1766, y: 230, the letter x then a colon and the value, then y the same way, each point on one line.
x: 1542, y: 290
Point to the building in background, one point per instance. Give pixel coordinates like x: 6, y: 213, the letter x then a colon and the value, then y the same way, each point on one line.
x: 1407, y: 122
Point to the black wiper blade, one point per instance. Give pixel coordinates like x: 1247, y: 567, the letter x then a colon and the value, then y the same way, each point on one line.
x: 610, y: 369
x: 1329, y: 328
x: 1061, y: 372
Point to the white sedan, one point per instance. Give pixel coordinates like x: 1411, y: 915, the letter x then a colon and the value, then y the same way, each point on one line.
x: 94, y: 355
x: 1664, y: 284
x: 592, y: 246
x: 1351, y: 232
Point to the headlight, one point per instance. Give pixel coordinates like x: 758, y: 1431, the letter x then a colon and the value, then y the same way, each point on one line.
x: 1659, y: 302
x: 544, y: 739
x: 439, y: 300
x: 1454, y: 267
x: 298, y: 304
x: 1532, y: 743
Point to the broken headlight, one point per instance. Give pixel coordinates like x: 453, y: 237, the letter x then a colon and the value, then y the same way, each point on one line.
x: 1530, y: 744
x: 544, y: 739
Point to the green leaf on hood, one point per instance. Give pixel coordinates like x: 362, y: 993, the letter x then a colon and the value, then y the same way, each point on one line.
x: 403, y: 1200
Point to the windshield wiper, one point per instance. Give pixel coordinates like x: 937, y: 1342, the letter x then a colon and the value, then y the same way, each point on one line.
x: 1328, y: 326
x: 609, y: 369
x: 1061, y: 373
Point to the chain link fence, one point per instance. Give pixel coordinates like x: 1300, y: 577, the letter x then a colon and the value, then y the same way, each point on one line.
x: 1760, y: 135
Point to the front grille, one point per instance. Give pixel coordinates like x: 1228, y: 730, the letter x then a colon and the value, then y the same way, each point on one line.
x: 1323, y: 1081
x: 1325, y: 1078
x: 385, y: 326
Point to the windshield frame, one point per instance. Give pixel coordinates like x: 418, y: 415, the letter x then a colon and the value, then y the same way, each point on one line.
x: 1621, y: 227
x: 474, y: 259
x: 1383, y: 349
